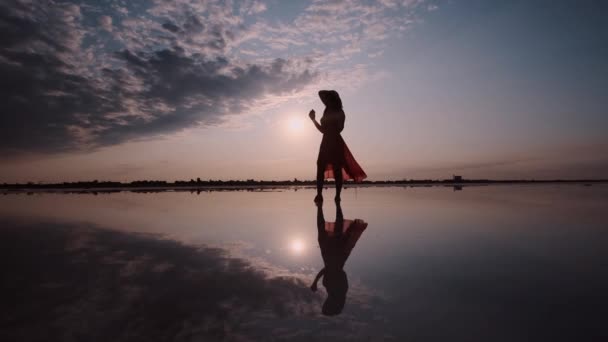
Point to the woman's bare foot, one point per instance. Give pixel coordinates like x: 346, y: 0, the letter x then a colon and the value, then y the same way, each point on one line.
x: 319, y: 199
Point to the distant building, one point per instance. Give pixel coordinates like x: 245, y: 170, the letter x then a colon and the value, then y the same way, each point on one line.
x: 457, y: 178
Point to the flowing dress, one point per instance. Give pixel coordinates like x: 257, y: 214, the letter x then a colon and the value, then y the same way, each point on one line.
x: 333, y: 150
x: 338, y: 239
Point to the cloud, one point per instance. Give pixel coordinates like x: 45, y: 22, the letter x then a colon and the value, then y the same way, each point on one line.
x: 58, y: 96
x: 78, y: 76
x: 256, y: 7
x: 106, y: 22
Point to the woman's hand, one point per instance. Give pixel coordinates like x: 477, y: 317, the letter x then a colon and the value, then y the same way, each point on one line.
x: 311, y: 114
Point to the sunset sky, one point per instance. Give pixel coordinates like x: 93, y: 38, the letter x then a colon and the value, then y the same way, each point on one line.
x: 126, y: 90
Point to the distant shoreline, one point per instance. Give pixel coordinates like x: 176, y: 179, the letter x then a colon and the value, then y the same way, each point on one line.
x: 150, y: 186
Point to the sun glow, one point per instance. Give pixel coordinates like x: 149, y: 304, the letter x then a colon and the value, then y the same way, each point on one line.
x: 297, y: 246
x: 295, y: 125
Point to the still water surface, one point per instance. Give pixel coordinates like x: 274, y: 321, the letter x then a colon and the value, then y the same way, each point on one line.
x: 501, y: 263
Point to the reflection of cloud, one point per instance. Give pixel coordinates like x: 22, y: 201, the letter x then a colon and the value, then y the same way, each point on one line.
x: 67, y: 281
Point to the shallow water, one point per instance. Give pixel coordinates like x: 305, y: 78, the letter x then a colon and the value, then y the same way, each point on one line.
x: 504, y: 262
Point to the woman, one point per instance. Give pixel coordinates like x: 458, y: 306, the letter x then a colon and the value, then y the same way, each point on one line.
x: 335, y: 160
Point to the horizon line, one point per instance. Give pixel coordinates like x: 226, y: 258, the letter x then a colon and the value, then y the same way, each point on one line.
x: 295, y: 181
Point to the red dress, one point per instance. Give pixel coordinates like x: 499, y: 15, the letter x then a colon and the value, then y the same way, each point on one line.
x: 339, y: 240
x: 333, y: 150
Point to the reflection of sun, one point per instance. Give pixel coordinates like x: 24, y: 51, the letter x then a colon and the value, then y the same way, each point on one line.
x: 297, y: 246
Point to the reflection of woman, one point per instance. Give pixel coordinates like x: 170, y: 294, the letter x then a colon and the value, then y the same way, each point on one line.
x: 337, y: 240
x: 335, y: 160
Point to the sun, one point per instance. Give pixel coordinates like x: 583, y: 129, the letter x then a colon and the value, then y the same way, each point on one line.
x: 295, y: 124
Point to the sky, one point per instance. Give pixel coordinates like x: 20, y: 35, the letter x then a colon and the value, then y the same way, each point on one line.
x: 127, y: 90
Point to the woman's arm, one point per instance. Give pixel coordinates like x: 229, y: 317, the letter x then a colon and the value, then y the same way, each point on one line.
x: 319, y: 127
x: 312, y: 117
x: 313, y: 287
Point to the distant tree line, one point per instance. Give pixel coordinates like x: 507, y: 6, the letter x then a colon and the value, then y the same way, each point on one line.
x: 199, y: 183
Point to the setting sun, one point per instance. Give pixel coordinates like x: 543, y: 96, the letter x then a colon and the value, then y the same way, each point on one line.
x: 296, y: 125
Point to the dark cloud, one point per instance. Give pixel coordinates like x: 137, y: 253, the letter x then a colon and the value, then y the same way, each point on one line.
x: 171, y: 27
x: 66, y: 89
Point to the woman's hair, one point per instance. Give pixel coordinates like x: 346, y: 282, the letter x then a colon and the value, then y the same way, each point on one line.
x: 333, y: 305
x: 331, y: 99
x: 336, y: 284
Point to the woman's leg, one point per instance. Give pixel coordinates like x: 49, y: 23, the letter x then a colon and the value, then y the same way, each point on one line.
x: 320, y: 176
x: 339, y: 180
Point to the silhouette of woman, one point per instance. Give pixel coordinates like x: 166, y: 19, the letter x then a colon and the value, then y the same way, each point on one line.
x: 335, y: 160
x: 337, y: 240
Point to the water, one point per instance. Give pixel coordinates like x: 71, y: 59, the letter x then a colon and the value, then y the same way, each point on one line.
x: 501, y: 263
